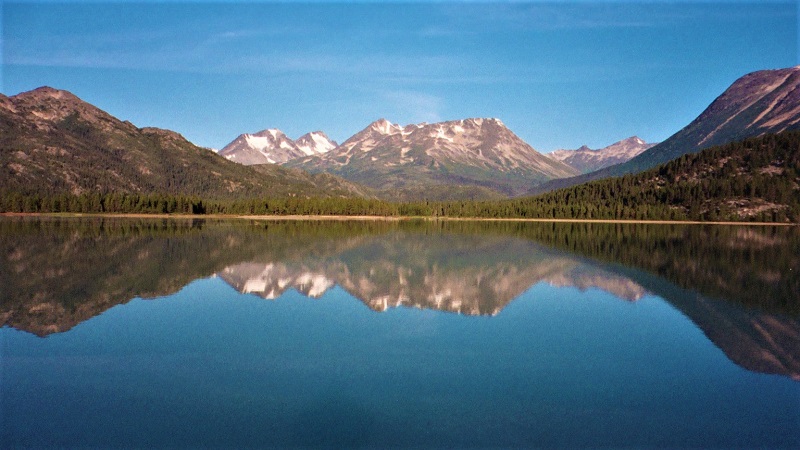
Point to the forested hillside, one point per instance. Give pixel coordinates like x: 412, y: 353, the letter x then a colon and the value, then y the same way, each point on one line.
x: 759, y: 103
x: 754, y: 180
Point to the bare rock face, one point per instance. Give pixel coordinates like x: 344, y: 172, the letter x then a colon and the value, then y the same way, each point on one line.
x: 274, y: 147
x: 763, y: 102
x: 47, y: 106
x: 767, y: 101
x: 588, y: 160
x: 472, y: 152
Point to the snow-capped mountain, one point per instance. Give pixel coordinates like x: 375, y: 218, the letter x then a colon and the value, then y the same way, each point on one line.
x: 473, y: 290
x: 470, y: 152
x: 588, y: 160
x: 315, y: 143
x: 416, y: 271
x: 271, y: 280
x: 274, y: 147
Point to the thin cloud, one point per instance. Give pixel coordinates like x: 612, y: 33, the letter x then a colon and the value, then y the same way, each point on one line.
x: 215, y: 54
x: 378, y: 65
x: 495, y: 17
x: 415, y: 106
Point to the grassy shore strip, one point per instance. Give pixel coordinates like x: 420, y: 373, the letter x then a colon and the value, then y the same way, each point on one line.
x: 386, y: 218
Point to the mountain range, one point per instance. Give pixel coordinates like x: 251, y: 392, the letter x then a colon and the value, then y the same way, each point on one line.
x: 273, y: 147
x: 762, y: 102
x: 52, y: 142
x: 477, y: 152
x: 586, y: 160
x: 384, y: 155
x: 481, y: 158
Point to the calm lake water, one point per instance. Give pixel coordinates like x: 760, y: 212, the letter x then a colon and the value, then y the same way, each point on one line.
x: 171, y: 333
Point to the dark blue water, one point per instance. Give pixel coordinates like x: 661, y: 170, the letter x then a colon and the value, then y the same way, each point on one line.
x: 557, y: 367
x: 662, y: 362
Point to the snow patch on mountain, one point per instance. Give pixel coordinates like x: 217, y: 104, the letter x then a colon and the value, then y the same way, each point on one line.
x: 475, y: 151
x: 258, y: 142
x: 588, y: 160
x: 274, y: 147
x: 315, y: 143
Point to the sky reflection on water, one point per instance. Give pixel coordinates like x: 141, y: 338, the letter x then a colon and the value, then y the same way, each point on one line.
x: 552, y: 366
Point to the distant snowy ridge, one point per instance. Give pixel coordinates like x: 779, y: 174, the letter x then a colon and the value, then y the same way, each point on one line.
x: 588, y: 160
x: 272, y: 146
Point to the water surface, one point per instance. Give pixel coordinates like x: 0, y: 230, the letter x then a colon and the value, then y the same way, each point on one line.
x: 157, y: 333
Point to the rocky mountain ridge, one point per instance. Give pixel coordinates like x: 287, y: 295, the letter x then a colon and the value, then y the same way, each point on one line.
x: 586, y: 160
x: 473, y: 152
x: 272, y: 146
x: 758, y: 103
x: 766, y: 101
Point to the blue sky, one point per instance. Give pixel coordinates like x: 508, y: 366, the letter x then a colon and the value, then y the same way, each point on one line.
x: 560, y: 75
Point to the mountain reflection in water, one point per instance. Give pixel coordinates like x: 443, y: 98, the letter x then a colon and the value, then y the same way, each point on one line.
x: 468, y: 274
x: 738, y: 284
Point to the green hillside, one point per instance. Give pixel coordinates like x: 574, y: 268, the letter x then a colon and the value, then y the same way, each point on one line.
x: 756, y: 179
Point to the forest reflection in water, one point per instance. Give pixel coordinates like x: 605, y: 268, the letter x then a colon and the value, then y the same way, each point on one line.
x: 738, y: 284
x: 406, y: 334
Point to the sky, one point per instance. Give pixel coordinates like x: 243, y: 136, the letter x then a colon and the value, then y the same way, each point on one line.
x: 558, y: 74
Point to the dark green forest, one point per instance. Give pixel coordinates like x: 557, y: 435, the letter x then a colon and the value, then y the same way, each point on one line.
x: 754, y: 180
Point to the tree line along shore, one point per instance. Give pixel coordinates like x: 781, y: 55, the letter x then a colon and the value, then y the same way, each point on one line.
x: 755, y: 180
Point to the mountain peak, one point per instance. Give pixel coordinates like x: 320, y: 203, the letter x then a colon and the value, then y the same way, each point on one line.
x: 315, y: 143
x: 632, y: 140
x: 383, y: 126
x: 47, y: 90
x: 269, y: 132
x: 272, y: 146
x: 480, y: 121
x: 46, y: 93
x: 50, y: 104
x: 475, y: 152
x: 587, y: 160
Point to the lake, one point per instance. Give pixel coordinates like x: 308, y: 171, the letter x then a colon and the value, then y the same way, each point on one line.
x: 203, y: 333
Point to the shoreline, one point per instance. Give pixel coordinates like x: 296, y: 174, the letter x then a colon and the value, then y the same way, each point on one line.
x: 385, y: 218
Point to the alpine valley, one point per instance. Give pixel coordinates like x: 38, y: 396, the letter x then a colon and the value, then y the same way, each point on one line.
x: 416, y: 226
